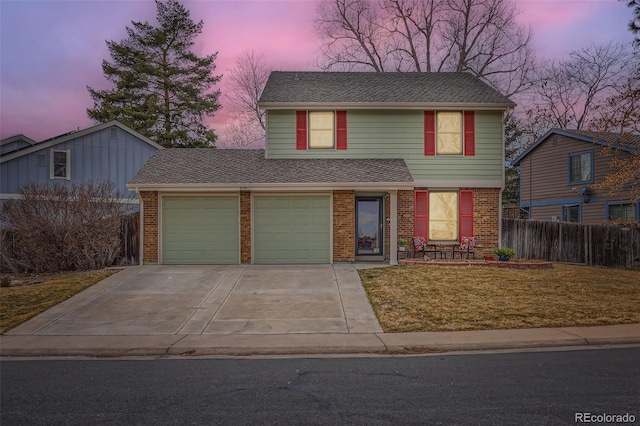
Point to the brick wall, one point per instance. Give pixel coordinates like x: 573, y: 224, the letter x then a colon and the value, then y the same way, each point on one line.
x: 150, y: 226
x: 245, y: 227
x: 344, y: 225
x: 486, y: 218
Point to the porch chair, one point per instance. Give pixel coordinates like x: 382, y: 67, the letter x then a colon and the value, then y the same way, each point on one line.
x: 468, y: 246
x: 420, y: 246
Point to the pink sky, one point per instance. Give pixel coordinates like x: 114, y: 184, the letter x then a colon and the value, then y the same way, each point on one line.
x: 51, y: 50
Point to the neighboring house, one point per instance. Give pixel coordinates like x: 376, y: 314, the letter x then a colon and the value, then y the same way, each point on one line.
x: 558, y: 171
x: 352, y: 163
x: 110, y: 151
x: 15, y: 143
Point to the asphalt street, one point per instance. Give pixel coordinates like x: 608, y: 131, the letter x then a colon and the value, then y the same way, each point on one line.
x: 546, y: 387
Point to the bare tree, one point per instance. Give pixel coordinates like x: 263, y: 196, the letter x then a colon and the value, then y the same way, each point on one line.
x: 477, y: 36
x: 246, y: 82
x: 617, y: 122
x: 567, y: 91
x: 353, y: 35
x: 242, y: 133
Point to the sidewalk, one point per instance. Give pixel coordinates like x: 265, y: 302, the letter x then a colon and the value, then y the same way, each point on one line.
x: 309, y: 344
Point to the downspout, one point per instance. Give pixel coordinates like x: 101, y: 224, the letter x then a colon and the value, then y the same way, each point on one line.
x: 504, y: 119
x: 141, y: 219
x: 393, y: 225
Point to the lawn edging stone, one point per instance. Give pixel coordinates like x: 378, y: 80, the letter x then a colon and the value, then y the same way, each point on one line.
x: 520, y: 264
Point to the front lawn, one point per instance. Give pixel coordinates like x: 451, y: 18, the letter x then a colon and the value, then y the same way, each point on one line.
x: 31, y: 295
x: 448, y: 298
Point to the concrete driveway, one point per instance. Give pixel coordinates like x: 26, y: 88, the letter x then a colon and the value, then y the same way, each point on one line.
x: 237, y: 299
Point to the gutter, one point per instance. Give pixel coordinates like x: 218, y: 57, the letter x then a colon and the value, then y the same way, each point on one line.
x: 443, y: 106
x: 273, y: 187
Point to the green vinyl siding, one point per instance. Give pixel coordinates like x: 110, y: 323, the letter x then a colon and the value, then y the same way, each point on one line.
x: 291, y: 229
x: 200, y: 230
x: 398, y: 134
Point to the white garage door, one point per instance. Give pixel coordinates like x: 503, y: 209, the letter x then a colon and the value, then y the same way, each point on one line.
x: 200, y: 230
x: 292, y: 229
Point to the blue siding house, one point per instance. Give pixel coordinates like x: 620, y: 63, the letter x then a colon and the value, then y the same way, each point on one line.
x: 109, y: 151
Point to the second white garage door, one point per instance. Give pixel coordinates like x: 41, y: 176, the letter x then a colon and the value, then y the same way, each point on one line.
x: 291, y: 229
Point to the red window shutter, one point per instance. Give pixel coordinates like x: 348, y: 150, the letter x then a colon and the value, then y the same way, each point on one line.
x: 301, y: 130
x: 466, y: 213
x: 469, y: 134
x: 421, y: 214
x: 341, y: 129
x: 429, y: 133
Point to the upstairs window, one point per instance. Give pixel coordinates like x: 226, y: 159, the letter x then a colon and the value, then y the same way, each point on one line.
x: 60, y: 164
x: 581, y: 167
x: 449, y: 133
x: 321, y: 129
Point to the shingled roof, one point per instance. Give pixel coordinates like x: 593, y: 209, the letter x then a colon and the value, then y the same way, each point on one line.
x: 625, y: 142
x: 181, y: 166
x: 436, y: 88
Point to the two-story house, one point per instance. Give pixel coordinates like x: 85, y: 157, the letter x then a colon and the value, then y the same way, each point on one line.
x: 559, y: 170
x: 353, y: 162
x: 109, y: 151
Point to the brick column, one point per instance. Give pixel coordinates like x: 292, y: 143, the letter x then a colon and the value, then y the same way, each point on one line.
x: 405, y: 215
x: 344, y: 225
x: 245, y: 226
x: 388, y: 244
x: 150, y: 226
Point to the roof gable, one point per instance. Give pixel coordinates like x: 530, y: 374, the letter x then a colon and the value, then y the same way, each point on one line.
x: 384, y: 89
x: 631, y: 144
x: 17, y: 138
x: 15, y: 143
x: 69, y: 136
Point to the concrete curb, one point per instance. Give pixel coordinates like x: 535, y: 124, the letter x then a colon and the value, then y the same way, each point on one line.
x: 309, y: 344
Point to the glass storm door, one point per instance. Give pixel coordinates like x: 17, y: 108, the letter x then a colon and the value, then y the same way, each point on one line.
x: 369, y: 226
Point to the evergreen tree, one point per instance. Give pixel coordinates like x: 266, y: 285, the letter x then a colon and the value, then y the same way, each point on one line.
x: 162, y: 89
x: 514, y: 135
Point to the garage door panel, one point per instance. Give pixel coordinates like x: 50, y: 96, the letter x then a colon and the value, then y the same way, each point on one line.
x: 200, y: 230
x: 292, y: 229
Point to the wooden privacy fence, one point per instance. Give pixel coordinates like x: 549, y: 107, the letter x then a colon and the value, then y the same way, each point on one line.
x: 129, y: 240
x: 615, y: 246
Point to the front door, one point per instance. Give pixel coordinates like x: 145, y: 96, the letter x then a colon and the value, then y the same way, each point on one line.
x: 369, y: 226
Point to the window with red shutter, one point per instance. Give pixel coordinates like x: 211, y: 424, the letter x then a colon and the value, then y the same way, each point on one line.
x: 466, y: 213
x: 429, y: 133
x: 469, y: 133
x: 301, y: 130
x: 421, y: 214
x: 341, y: 129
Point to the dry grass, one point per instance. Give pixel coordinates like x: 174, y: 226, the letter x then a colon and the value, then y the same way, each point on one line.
x: 433, y: 298
x: 20, y: 303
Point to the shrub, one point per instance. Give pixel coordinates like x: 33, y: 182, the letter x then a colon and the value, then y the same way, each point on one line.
x: 504, y: 252
x: 56, y: 227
